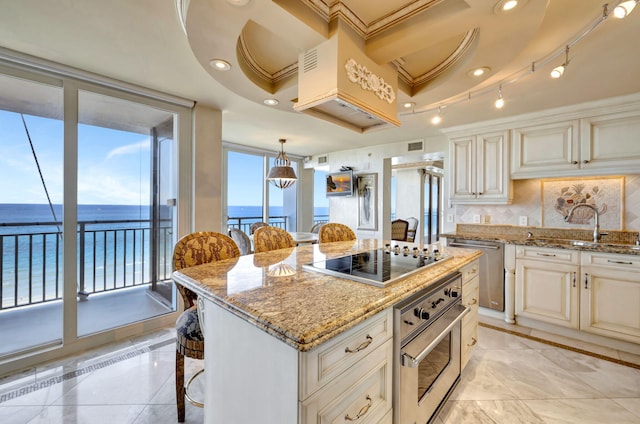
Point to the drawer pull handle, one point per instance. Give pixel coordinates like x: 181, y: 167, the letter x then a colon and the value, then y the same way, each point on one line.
x: 574, y: 278
x: 362, y: 346
x: 619, y: 262
x: 362, y: 411
x: 474, y: 341
x: 473, y: 302
x: 551, y: 255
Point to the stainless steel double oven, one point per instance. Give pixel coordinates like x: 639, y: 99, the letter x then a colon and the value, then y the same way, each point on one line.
x: 427, y: 350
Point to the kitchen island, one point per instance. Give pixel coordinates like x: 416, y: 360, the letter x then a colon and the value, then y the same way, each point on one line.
x: 266, y: 319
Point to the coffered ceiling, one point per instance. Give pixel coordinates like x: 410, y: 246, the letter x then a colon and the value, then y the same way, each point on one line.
x: 429, y: 45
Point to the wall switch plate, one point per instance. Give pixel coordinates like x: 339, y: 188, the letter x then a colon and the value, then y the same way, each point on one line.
x: 523, y: 221
x: 476, y: 219
x: 487, y: 219
x: 449, y: 217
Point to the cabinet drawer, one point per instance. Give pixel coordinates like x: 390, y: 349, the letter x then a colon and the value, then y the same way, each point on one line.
x: 364, y: 391
x: 549, y: 255
x: 471, y: 293
x: 469, y: 339
x: 331, y: 359
x: 619, y: 262
x: 469, y: 271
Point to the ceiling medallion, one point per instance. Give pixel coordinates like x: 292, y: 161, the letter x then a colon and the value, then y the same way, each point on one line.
x: 359, y: 74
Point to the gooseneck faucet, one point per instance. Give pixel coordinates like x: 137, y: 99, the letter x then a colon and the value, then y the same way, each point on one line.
x: 596, y: 227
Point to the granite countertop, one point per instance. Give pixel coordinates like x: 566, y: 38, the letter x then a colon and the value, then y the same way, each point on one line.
x: 547, y: 239
x: 306, y: 308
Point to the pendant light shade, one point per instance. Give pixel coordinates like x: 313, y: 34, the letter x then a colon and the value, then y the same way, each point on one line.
x: 281, y: 173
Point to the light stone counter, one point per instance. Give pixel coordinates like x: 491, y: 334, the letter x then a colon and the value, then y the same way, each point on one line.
x: 307, y: 308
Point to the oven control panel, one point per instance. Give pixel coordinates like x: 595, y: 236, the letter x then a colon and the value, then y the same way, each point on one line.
x: 418, y: 311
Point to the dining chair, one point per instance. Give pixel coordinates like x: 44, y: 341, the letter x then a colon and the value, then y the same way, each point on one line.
x: 413, y: 227
x: 270, y: 238
x: 242, y: 240
x: 334, y: 231
x: 194, y: 249
x: 256, y: 225
x: 399, y: 229
x: 316, y: 227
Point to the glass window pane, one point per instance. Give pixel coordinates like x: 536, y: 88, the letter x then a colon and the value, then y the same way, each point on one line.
x: 245, y: 185
x: 124, y: 232
x: 320, y: 199
x: 31, y: 178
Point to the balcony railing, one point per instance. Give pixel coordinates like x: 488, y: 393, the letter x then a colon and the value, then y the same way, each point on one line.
x: 112, y: 255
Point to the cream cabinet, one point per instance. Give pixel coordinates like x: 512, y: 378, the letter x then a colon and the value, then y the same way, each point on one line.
x: 547, y: 285
x: 610, y: 295
x: 480, y: 169
x: 594, y: 145
x: 350, y: 376
x: 470, y: 296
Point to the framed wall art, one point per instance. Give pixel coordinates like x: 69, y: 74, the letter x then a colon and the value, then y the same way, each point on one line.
x: 604, y: 193
x: 367, y: 191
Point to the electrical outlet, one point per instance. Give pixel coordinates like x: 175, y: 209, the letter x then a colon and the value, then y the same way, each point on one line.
x: 449, y: 217
x: 476, y: 219
x: 523, y: 221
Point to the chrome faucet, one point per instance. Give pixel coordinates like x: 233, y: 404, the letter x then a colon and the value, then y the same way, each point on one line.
x: 596, y: 227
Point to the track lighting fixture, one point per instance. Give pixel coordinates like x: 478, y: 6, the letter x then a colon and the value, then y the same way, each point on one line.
x: 437, y: 118
x: 500, y: 100
x: 559, y: 70
x: 624, y: 9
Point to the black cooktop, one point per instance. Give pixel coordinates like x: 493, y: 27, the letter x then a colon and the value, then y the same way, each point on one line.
x: 377, y: 267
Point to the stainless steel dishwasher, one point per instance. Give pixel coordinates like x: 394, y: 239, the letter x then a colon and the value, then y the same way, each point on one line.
x: 491, y: 271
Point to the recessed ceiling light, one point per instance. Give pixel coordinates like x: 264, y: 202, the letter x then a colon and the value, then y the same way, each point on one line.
x: 239, y: 3
x: 479, y: 72
x: 220, y: 65
x: 271, y: 102
x: 508, y: 6
x: 408, y: 105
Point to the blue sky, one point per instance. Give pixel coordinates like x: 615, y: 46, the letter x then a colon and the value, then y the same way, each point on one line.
x: 113, y: 166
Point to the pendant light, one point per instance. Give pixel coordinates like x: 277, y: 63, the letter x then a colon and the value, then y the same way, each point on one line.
x: 281, y: 173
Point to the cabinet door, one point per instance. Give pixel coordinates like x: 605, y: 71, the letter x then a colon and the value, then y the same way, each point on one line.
x: 610, y: 143
x: 470, y: 295
x: 492, y: 174
x: 547, y: 292
x: 463, y: 173
x: 610, y: 302
x: 546, y: 150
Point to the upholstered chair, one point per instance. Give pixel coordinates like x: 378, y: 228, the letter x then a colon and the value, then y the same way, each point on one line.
x: 194, y: 249
x: 256, y: 225
x: 333, y: 231
x: 413, y: 227
x: 399, y: 229
x: 242, y: 240
x: 269, y: 238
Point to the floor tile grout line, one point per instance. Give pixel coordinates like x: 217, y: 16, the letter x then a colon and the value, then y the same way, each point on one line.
x: 50, y: 381
x: 562, y: 346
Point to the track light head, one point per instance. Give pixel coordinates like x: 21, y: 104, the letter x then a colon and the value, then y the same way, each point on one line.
x: 624, y: 9
x: 557, y: 71
x: 437, y: 118
x: 500, y: 100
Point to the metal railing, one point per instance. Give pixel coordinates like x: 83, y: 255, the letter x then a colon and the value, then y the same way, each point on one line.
x: 244, y: 222
x: 112, y: 255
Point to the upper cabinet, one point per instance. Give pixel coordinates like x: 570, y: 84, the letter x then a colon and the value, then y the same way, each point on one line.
x: 594, y: 145
x: 480, y: 169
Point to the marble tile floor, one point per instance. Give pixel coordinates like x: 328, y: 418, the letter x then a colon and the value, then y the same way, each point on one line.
x: 509, y: 379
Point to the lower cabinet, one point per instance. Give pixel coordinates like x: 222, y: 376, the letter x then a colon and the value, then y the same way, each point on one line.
x: 547, y: 286
x: 610, y: 295
x: 590, y: 291
x: 350, y: 378
x: 470, y: 296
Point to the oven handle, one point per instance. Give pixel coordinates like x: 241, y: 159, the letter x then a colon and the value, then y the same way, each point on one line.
x: 474, y: 246
x: 409, y: 361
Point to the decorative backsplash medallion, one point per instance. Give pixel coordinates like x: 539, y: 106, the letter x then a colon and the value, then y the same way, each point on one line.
x: 604, y: 193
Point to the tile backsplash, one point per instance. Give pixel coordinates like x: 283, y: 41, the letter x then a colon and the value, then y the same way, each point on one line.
x: 527, y: 201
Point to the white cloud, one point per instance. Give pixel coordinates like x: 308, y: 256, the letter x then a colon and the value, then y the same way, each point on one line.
x: 129, y: 149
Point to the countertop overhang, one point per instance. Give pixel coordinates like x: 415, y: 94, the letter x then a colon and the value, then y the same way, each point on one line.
x: 306, y: 308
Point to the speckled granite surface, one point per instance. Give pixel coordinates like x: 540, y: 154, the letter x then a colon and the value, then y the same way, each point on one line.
x: 614, y: 242
x: 307, y: 308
